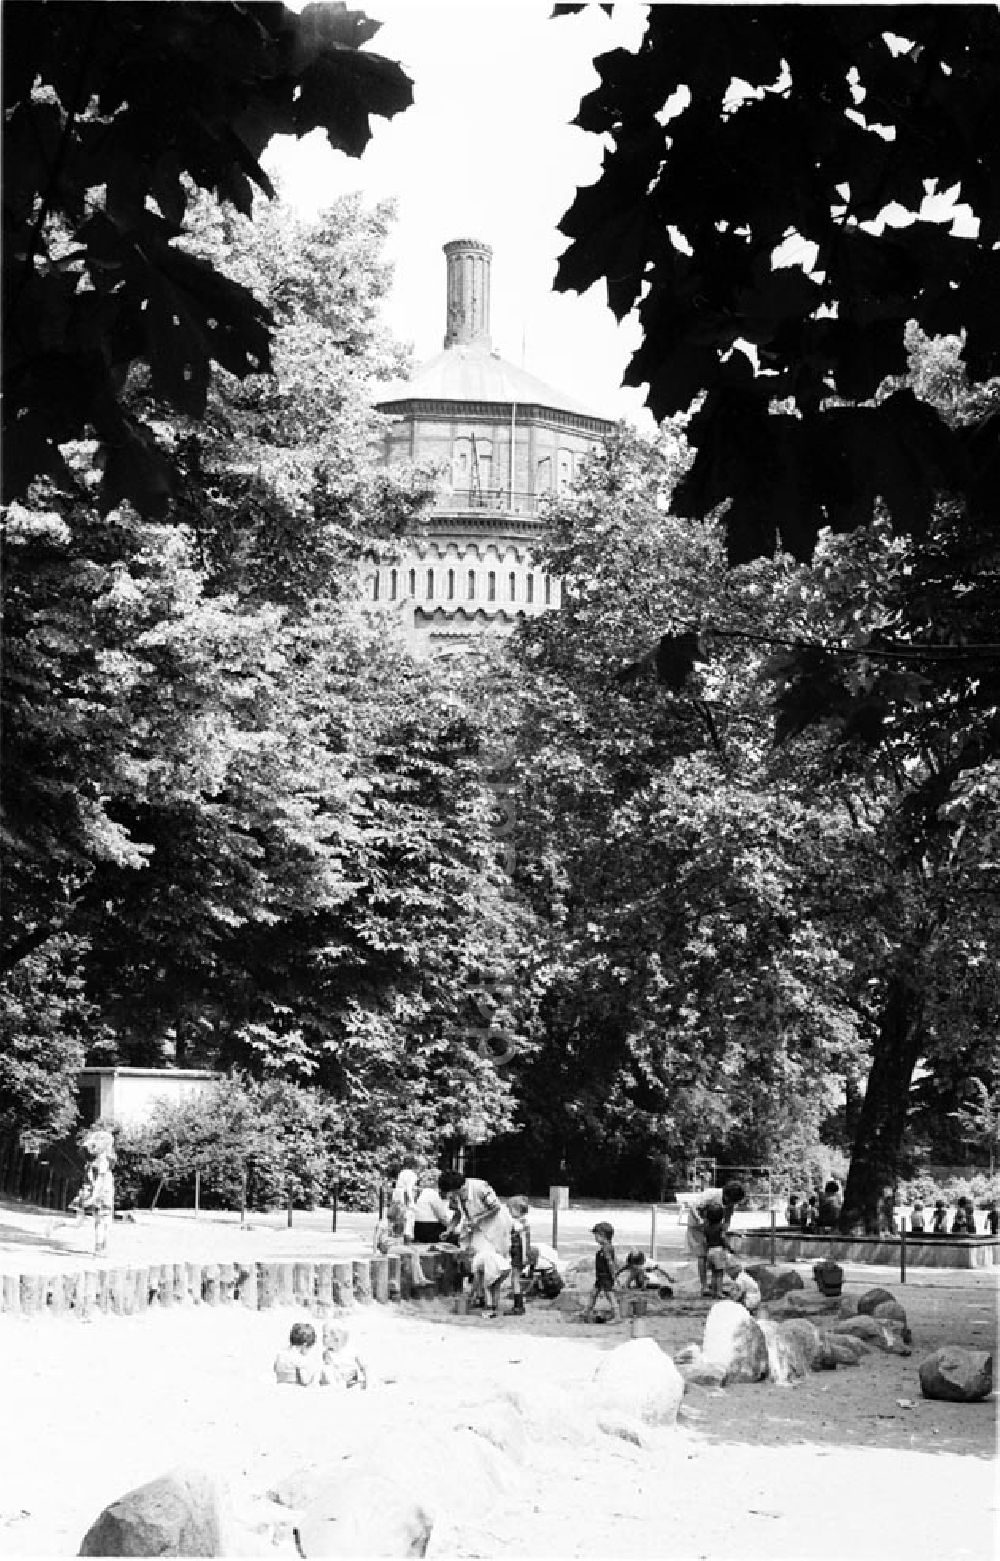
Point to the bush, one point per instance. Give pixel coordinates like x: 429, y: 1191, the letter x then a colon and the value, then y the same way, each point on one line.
x: 285, y: 1140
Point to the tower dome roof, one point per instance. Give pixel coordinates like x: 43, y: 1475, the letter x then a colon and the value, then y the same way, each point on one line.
x: 472, y: 374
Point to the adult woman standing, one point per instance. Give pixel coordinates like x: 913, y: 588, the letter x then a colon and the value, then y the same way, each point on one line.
x: 732, y: 1195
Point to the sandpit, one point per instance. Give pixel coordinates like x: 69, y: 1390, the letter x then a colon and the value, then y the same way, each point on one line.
x: 847, y: 1464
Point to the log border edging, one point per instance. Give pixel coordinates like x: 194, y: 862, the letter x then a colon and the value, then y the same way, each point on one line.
x: 256, y: 1283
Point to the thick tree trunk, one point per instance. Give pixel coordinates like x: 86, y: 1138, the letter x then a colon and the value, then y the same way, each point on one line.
x: 882, y: 1119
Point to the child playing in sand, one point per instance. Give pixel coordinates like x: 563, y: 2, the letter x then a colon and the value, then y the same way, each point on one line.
x: 604, y: 1273
x: 342, y: 1368
x: 520, y: 1241
x: 543, y: 1276
x: 739, y: 1286
x: 297, y: 1365
x: 635, y: 1269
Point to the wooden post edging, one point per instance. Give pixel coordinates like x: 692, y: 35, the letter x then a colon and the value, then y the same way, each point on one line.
x: 253, y: 1283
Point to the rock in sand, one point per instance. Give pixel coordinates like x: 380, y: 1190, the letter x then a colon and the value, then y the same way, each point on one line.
x: 774, y: 1280
x: 959, y: 1375
x: 640, y: 1380
x: 785, y: 1358
x: 361, y: 1513
x: 872, y: 1298
x: 179, y: 1514
x: 734, y: 1341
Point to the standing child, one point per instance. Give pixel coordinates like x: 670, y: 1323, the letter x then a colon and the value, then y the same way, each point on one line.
x: 604, y: 1273
x: 297, y: 1365
x: 917, y: 1219
x: 992, y: 1217
x: 520, y: 1241
x: 939, y: 1222
x: 102, y: 1195
x: 792, y: 1212
x: 716, y: 1247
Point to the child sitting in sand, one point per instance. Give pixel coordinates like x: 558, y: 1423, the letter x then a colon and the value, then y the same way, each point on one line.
x: 739, y: 1286
x: 604, y: 1273
x: 297, y: 1365
x: 342, y: 1368
x: 543, y: 1276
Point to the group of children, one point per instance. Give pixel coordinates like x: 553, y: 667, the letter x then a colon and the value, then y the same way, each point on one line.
x: 726, y: 1274
x: 336, y: 1365
x: 963, y: 1222
x: 820, y: 1211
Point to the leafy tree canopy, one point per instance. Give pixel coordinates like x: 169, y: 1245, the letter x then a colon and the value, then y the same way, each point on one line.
x: 113, y: 113
x: 748, y: 207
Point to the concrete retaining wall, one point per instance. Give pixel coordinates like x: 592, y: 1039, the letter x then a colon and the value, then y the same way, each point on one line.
x: 935, y: 1252
x: 253, y: 1284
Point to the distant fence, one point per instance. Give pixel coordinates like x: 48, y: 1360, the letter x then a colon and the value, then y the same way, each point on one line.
x: 255, y: 1285
x: 50, y: 1179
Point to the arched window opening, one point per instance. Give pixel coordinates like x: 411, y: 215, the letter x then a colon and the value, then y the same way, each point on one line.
x: 375, y: 587
x: 512, y: 585
x: 529, y: 588
x: 491, y: 586
x: 548, y: 590
x: 413, y: 582
x: 472, y: 585
x: 393, y: 584
x: 430, y: 585
x: 451, y: 585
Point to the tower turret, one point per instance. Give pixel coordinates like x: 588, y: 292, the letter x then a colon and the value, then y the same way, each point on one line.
x: 468, y: 297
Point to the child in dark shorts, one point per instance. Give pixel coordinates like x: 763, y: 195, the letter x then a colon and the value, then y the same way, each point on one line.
x: 604, y: 1273
x: 716, y: 1247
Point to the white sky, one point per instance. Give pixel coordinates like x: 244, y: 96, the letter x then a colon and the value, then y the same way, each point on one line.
x: 487, y: 152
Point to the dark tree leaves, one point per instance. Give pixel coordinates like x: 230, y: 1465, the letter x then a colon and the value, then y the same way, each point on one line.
x: 842, y: 111
x: 111, y: 113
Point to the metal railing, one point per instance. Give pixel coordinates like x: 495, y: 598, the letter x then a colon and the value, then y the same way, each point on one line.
x: 500, y: 500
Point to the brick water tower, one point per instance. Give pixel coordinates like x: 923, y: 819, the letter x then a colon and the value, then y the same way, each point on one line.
x: 505, y: 441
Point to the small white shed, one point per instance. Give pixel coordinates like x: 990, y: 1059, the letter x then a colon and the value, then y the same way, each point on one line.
x: 127, y: 1095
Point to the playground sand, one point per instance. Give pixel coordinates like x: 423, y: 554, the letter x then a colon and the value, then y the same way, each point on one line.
x: 846, y: 1465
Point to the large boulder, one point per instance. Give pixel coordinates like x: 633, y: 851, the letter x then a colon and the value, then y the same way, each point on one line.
x: 872, y: 1298
x: 773, y: 1280
x: 734, y: 1341
x: 639, y: 1379
x: 962, y: 1376
x: 786, y: 1360
x: 178, y: 1514
x: 363, y: 1513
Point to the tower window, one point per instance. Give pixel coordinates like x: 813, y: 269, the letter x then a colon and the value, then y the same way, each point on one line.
x: 375, y: 587
x: 472, y: 585
x: 430, y: 585
x: 548, y: 590
x: 491, y: 586
x: 512, y: 585
x: 451, y: 585
x: 413, y: 582
x: 529, y: 588
x: 393, y: 584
